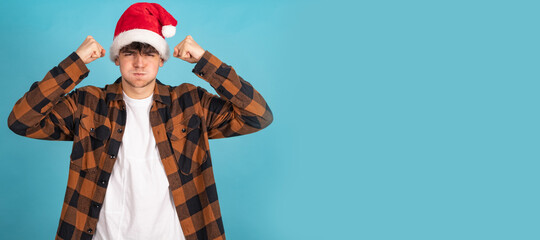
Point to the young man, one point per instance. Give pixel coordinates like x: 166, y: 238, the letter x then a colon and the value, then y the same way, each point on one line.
x: 140, y: 164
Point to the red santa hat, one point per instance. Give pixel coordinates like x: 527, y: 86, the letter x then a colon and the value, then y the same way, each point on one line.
x: 144, y: 22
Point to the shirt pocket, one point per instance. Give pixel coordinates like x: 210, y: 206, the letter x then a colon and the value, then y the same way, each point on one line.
x: 90, y: 143
x: 187, y: 144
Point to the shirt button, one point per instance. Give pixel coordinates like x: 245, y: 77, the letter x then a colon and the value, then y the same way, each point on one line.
x: 103, y: 182
x: 92, y: 129
x: 119, y: 130
x: 183, y: 130
x: 112, y: 156
x: 89, y: 230
x: 96, y: 205
x: 201, y: 74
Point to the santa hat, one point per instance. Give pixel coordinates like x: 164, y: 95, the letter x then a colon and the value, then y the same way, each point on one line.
x: 144, y: 22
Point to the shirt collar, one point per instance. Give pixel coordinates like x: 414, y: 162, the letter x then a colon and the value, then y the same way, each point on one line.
x: 161, y: 92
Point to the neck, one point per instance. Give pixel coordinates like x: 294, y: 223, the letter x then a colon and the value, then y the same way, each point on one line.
x: 138, y: 92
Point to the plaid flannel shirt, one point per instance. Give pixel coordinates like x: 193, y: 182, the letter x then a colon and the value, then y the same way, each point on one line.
x: 183, y: 118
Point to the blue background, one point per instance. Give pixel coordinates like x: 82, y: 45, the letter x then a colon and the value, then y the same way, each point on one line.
x: 392, y: 119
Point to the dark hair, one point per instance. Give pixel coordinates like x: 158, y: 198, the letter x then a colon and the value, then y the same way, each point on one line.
x: 140, y: 47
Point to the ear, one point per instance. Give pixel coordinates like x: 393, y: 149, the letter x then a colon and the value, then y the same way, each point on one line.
x: 116, y: 62
x: 161, y: 62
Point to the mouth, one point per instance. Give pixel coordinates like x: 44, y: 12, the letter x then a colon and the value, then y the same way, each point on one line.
x: 139, y: 74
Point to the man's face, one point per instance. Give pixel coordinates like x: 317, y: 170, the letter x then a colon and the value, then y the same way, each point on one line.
x: 138, y: 69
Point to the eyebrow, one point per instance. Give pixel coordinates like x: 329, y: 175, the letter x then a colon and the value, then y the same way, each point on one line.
x: 130, y: 51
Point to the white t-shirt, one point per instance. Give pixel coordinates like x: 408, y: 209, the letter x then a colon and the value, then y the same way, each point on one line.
x: 138, y: 203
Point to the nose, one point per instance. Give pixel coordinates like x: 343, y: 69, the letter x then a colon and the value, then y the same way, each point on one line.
x: 138, y: 61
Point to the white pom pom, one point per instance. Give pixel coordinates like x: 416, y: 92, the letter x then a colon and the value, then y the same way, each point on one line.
x: 168, y: 31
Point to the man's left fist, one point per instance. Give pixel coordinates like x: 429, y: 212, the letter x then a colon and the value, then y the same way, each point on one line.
x: 188, y: 50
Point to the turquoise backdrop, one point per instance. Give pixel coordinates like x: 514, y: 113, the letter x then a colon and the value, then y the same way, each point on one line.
x: 392, y: 119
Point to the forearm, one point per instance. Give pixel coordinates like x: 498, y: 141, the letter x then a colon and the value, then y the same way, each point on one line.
x: 249, y: 113
x: 36, y: 104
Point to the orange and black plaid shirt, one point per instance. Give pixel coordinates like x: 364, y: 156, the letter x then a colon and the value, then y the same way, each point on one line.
x: 183, y: 118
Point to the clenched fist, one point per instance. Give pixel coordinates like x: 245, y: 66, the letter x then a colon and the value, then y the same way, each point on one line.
x: 90, y: 50
x: 188, y: 50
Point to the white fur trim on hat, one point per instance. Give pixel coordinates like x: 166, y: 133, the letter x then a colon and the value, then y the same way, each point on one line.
x: 139, y: 35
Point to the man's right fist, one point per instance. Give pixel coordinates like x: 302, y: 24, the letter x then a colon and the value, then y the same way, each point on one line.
x: 90, y: 50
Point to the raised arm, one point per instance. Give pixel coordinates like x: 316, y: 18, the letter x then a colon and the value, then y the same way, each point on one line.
x: 46, y: 110
x: 239, y: 109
